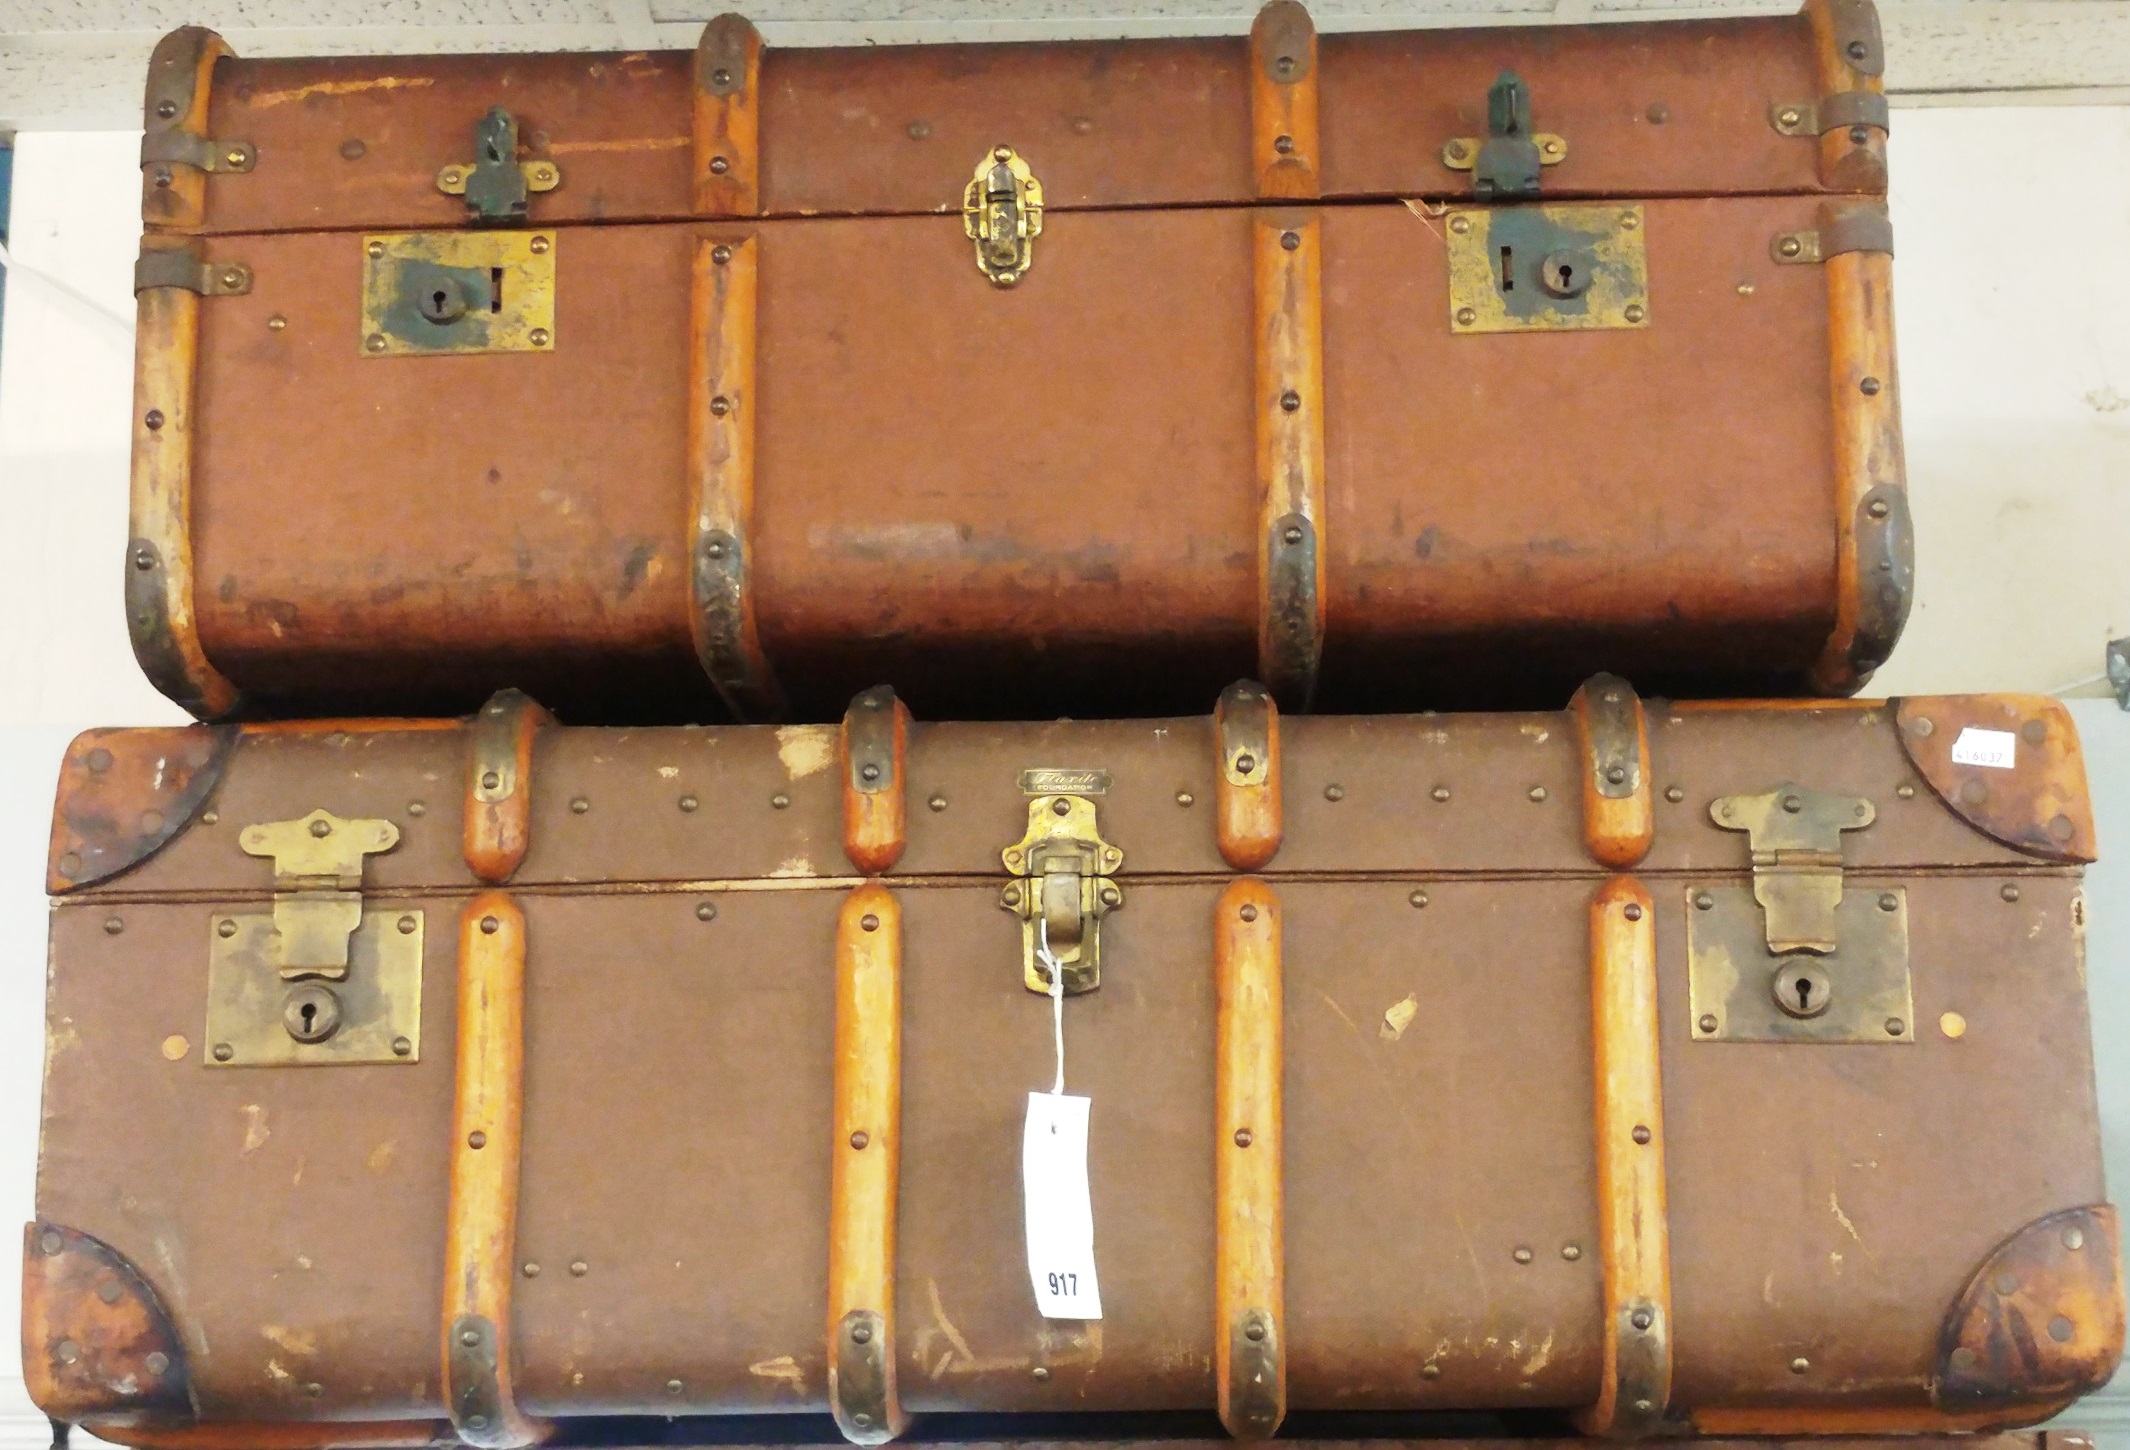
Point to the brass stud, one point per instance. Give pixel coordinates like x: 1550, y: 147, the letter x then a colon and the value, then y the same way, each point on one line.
x: 1889, y: 902
x: 1895, y: 1027
x: 720, y: 405
x: 1290, y: 401
x: 1869, y: 387
x: 1431, y: 1371
x: 673, y: 1387
x: 937, y: 802
x: 469, y: 1337
x: 176, y: 1047
x: 1858, y: 50
x: 531, y: 1270
x: 706, y: 911
x: 1522, y: 1255
x: 1418, y: 899
x: 1790, y: 246
x: 1674, y: 794
x: 1922, y: 726
x: 2006, y: 1284
x: 1184, y: 798
x: 1061, y: 807
x: 1746, y: 289
x: 538, y: 337
x: 68, y: 1351
x: 153, y: 418
x: 225, y: 928
x: 579, y: 805
x: 2074, y: 1238
x: 1254, y: 1332
x: 1633, y: 911
x: 1571, y: 1252
x: 1953, y: 1025
x: 1242, y: 1138
x: 1629, y: 221
x: 375, y: 342
x: 1658, y: 113
x: 1635, y: 311
x: 869, y: 922
x: 276, y: 323
x: 540, y: 245
x: 1041, y: 1372
x: 721, y: 254
x: 1905, y: 792
x: 1641, y: 1135
x: 1334, y: 792
x: 1799, y: 1365
x: 1111, y: 896
x: 1878, y: 508
x: 490, y: 926
x: 1466, y: 316
x: 1791, y: 116
x: 157, y: 1362
x: 859, y: 1139
x: 476, y: 1139
x: 1290, y: 240
x: 721, y: 77
x: 401, y: 1047
x: 1538, y: 792
x: 719, y: 166
x: 208, y: 818
x: 321, y: 829
x: 1441, y: 793
x: 1708, y: 1022
x: 51, y: 1241
x: 688, y: 803
x: 417, y: 808
x: 1641, y: 1319
x: 1248, y: 913
x: 113, y: 925
x: 2008, y: 891
x: 1284, y: 145
x: 69, y: 864
x: 579, y: 1268
x: 2061, y: 1329
x: 375, y: 249
x: 166, y: 109
x: 406, y: 925
x: 223, y: 1052
x: 1460, y: 224
x: 779, y: 801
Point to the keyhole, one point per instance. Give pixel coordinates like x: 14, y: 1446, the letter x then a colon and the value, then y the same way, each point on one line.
x: 1508, y: 275
x: 310, y: 1018
x: 1801, y: 991
x: 1804, y: 995
x: 1567, y: 276
x: 443, y: 301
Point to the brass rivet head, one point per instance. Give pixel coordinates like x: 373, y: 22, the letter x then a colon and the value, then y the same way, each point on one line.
x: 1522, y: 1255
x: 1242, y: 1138
x: 225, y: 928
x: 1418, y: 899
x: 1615, y: 774
x: 157, y: 1362
x: 579, y: 805
x: 779, y: 801
x: 861, y: 1334
x: 1290, y: 401
x: 673, y: 1387
x: 108, y: 1291
x: 407, y: 925
x: 689, y: 803
x: 1290, y: 240
x: 1708, y: 1022
x: 859, y: 1139
x: 276, y: 323
x: 1334, y: 792
x: 1248, y: 913
x: 470, y: 1337
x: 1111, y: 896
x: 1922, y: 725
x: 1441, y: 793
x: 1878, y: 508
x: 1858, y: 50
x: 868, y: 772
x: 1905, y: 792
x: 321, y: 829
x: 417, y: 808
x: 937, y: 803
x: 1953, y: 1025
x: 2074, y: 1238
x: 1283, y: 65
x: 1633, y: 911
x: 51, y: 1241
x: 1889, y: 902
x: 144, y: 560
x: 1245, y: 763
x: 1284, y: 145
x: 1791, y: 116
x: 1799, y: 1365
x: 1041, y: 1372
x: 402, y: 1047
x: 1790, y: 246
x: 706, y: 911
x: 166, y: 109
x: 1466, y: 316
x: 1571, y: 1252
x: 1460, y: 224
x: 113, y: 925
x: 1538, y: 792
x: 1895, y: 1027
x: 720, y: 405
x: 1793, y: 804
x: 1061, y: 807
x: 490, y: 926
x: 719, y: 166
x: 1431, y: 1371
x: 1291, y: 537
x: 869, y: 922
x: 1254, y: 1331
x: 531, y: 1270
x: 490, y: 780
x: 476, y: 1139
x: 1641, y: 1135
x: 1635, y: 311
x: 1674, y: 794
x: 1869, y: 387
x: 375, y: 342
x: 580, y: 1268
x: 1184, y: 798
x: 2006, y: 1284
x: 223, y: 1052
x: 153, y: 418
x: 1641, y: 1319
x: 538, y: 337
x: 2008, y: 891
x: 721, y: 77
x: 540, y: 245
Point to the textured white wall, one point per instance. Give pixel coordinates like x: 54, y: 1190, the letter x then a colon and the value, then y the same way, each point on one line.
x: 2015, y: 352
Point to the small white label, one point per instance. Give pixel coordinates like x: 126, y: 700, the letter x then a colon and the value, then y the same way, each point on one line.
x: 1061, y: 1216
x: 1993, y: 748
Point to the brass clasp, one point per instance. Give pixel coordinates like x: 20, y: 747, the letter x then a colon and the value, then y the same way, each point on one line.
x: 1062, y: 891
x: 317, y: 886
x: 1796, y: 840
x: 1002, y: 210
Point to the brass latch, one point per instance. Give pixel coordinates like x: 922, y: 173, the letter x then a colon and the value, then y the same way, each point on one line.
x: 1799, y: 956
x: 1002, y: 210
x: 317, y: 886
x: 496, y: 183
x: 320, y: 980
x: 1064, y: 889
x: 1796, y: 837
x: 1508, y: 162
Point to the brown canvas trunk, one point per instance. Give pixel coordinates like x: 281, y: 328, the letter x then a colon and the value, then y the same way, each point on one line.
x: 1436, y: 1063
x: 730, y: 420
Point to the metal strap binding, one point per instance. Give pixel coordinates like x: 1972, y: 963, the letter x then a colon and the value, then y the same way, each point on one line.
x: 865, y: 1168
x: 1250, y: 1371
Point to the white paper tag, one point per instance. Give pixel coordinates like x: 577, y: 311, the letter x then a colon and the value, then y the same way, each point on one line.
x: 1061, y: 1216
x: 1993, y: 748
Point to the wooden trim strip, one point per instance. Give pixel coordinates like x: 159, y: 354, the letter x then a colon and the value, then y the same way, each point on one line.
x: 1788, y: 1421
x: 279, y: 1435
x: 159, y: 580
x: 1250, y: 1255
x: 480, y: 1248
x: 721, y: 476
x: 498, y: 828
x: 727, y: 118
x: 180, y: 87
x: 1290, y: 452
x: 1619, y: 813
x: 1848, y: 57
x: 865, y: 1164
x: 1249, y: 816
x: 872, y: 752
x: 1634, y: 1230
x: 1283, y: 101
x: 1875, y: 566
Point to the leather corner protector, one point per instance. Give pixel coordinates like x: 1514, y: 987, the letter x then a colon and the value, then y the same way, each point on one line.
x: 2036, y: 801
x: 498, y: 828
x: 125, y: 794
x: 2040, y: 1322
x: 96, y: 1339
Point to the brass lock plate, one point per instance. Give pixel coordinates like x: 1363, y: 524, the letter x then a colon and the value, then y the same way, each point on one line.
x: 427, y: 293
x: 1061, y: 891
x: 256, y: 1017
x: 1547, y: 268
x: 1859, y: 993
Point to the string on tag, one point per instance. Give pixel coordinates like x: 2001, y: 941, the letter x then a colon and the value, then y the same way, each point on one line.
x: 1057, y: 999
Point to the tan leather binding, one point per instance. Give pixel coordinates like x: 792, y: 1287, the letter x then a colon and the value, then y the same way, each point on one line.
x: 872, y: 752
x: 1870, y: 473
x: 1633, y: 1224
x: 728, y: 118
x: 721, y: 408
x: 1619, y: 814
x: 498, y: 828
x: 1289, y: 287
x: 1250, y: 1257
x: 1283, y: 101
x: 864, y: 1168
x: 487, y: 1114
x: 1249, y: 817
x: 159, y: 578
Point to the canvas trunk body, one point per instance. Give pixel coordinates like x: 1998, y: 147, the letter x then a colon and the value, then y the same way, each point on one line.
x: 675, y: 386
x: 1435, y: 1062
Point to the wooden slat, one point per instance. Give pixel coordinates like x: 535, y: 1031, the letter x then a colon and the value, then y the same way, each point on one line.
x: 1250, y: 1253
x: 876, y: 815
x: 1289, y: 287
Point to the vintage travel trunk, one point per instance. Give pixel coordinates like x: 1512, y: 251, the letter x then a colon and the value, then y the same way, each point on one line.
x: 1422, y: 370
x: 1721, y: 1068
